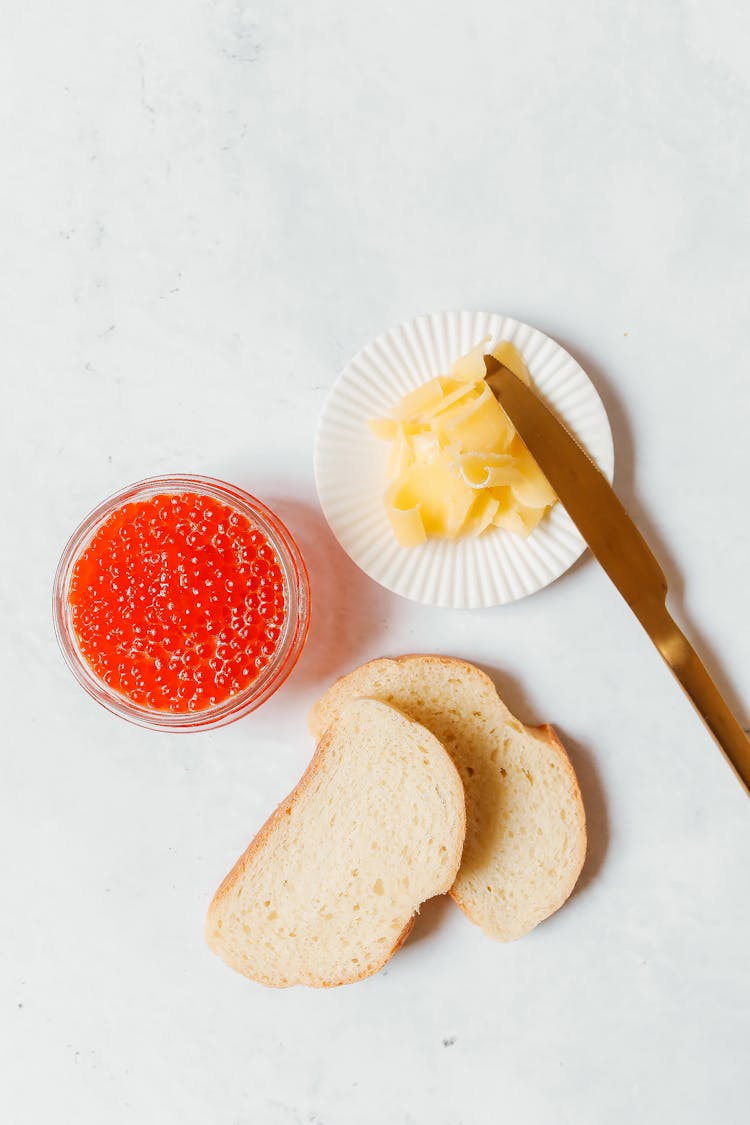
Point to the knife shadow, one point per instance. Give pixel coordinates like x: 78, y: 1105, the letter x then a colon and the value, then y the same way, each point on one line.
x: 626, y: 488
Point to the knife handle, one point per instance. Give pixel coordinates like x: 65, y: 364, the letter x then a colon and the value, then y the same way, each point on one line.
x: 708, y: 701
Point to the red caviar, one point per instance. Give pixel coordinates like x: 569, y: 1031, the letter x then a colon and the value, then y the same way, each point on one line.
x: 177, y: 602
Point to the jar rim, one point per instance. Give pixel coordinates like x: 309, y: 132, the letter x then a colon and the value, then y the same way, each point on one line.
x: 293, y: 632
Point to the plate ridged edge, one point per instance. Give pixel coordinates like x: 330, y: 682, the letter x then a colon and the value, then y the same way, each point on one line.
x: 350, y: 464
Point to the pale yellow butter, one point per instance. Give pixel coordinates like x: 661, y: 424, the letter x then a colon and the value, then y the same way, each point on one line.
x: 457, y: 467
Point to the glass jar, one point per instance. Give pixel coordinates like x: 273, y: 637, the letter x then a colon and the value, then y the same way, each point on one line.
x: 293, y: 631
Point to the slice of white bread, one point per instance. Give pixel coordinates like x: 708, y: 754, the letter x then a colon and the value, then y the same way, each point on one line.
x: 328, y: 889
x: 525, y: 824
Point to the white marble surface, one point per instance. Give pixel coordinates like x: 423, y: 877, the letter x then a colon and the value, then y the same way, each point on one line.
x: 206, y: 207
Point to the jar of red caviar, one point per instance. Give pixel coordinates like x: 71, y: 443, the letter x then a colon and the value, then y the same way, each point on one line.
x: 181, y: 603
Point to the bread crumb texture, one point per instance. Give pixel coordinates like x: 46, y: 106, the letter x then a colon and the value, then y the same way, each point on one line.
x: 526, y: 830
x: 328, y: 889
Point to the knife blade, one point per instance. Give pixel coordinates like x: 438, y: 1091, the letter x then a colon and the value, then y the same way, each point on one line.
x: 621, y: 550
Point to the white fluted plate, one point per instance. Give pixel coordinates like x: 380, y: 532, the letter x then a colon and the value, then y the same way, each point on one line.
x: 350, y: 464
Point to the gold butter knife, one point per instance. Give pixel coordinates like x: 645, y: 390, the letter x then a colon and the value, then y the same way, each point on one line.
x: 621, y: 550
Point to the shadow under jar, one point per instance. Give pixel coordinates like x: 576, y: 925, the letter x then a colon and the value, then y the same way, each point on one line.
x: 181, y: 603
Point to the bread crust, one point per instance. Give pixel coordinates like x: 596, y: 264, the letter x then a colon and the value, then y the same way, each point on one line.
x: 434, y: 658
x: 544, y: 732
x: 283, y: 809
x: 548, y: 733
